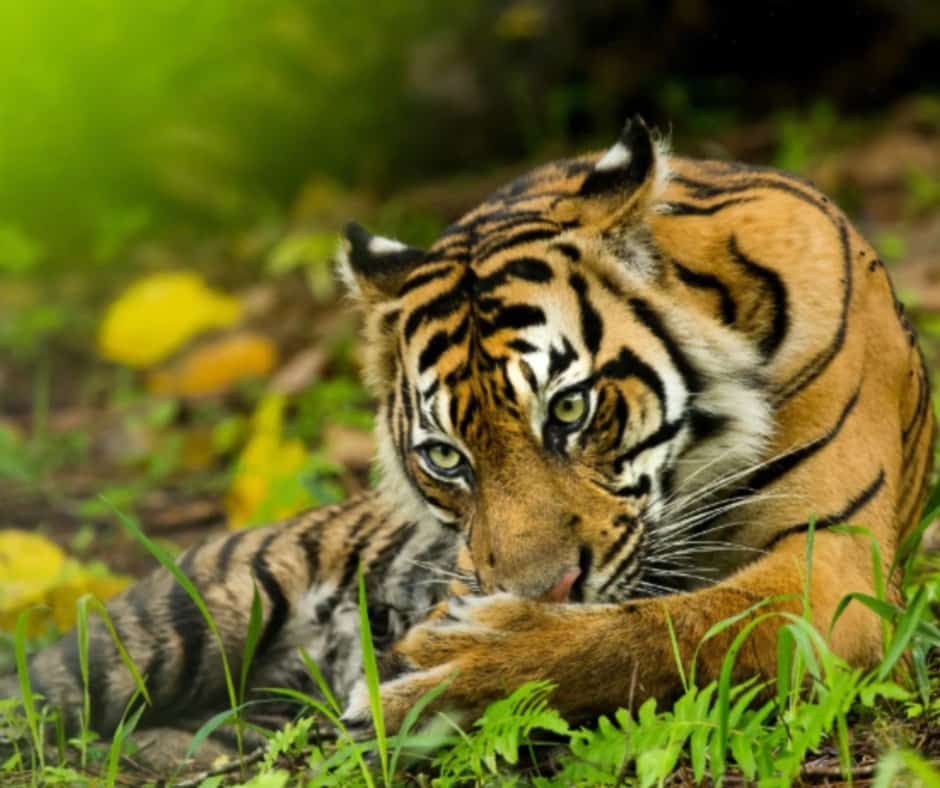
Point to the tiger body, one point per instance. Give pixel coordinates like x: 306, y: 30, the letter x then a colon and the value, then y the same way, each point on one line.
x: 612, y: 399
x: 305, y: 570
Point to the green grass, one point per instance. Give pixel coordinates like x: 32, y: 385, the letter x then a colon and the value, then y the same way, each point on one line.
x: 755, y: 731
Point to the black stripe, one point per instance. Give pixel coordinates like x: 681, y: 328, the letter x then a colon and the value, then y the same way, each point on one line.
x: 654, y: 323
x: 854, y: 505
x: 353, y: 559
x: 916, y: 471
x: 592, y: 327
x: 666, y: 432
x: 786, y: 463
x: 139, y: 605
x: 453, y: 411
x: 422, y: 277
x: 781, y: 182
x: 309, y: 541
x: 275, y: 593
x: 928, y: 415
x: 568, y: 250
x: 531, y: 269
x: 699, y: 189
x: 778, y: 294
x: 483, y: 222
x: 521, y: 346
x: 501, y: 219
x: 99, y: 680
x: 449, y: 253
x: 433, y: 350
x: 515, y: 240
x: 190, y: 628
x: 380, y: 563
x: 515, y: 317
x: 700, y: 281
x: 688, y: 209
x: 473, y: 407
x: 560, y: 360
x: 509, y: 390
x: 916, y: 418
x: 628, y: 364
x: 325, y: 608
x: 705, y: 425
x: 621, y: 413
x: 629, y: 527
x: 615, y: 576
x: 223, y: 560
x: 911, y: 448
x: 819, y: 363
x: 441, y: 307
x: 638, y: 490
x: 918, y: 498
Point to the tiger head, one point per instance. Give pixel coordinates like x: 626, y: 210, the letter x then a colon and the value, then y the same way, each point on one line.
x: 538, y: 390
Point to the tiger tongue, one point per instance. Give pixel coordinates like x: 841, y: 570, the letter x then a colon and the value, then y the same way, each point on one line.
x: 561, y: 591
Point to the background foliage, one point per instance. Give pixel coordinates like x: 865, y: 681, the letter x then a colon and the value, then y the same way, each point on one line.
x: 173, y: 176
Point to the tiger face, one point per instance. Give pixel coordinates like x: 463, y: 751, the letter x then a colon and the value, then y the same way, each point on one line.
x: 540, y: 394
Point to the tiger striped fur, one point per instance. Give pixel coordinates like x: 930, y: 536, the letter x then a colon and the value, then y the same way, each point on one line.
x: 613, y: 395
x: 305, y: 570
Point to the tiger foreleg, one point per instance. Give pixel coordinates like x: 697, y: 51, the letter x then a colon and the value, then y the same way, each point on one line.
x: 606, y: 656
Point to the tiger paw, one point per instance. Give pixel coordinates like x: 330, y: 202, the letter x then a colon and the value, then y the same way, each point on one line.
x: 481, y: 648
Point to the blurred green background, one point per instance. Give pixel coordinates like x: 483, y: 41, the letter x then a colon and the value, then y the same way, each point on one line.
x: 231, y: 139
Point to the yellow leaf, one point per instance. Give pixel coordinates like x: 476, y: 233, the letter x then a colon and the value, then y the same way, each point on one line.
x: 159, y: 313
x: 215, y: 367
x: 36, y: 572
x: 267, y: 483
x: 63, y: 596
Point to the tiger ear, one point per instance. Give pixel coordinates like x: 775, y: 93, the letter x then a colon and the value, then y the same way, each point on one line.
x: 626, y: 178
x: 626, y: 165
x: 373, y: 267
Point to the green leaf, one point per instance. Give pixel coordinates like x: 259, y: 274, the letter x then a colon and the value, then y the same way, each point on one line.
x: 371, y: 668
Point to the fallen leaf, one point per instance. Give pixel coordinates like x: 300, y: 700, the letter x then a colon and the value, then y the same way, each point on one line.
x: 158, y: 314
x: 36, y: 573
x: 214, y: 367
x: 267, y: 483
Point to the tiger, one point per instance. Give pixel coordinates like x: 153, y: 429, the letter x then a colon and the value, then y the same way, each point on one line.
x: 629, y: 396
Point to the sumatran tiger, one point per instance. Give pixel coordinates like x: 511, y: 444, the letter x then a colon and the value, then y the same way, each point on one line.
x: 612, y: 402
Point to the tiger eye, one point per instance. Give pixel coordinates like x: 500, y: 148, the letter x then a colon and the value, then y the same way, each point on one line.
x: 569, y: 408
x: 444, y: 457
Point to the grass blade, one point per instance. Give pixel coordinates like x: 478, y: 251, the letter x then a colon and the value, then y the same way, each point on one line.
x: 371, y: 668
x: 26, y: 687
x: 321, y: 682
x: 139, y: 684
x: 412, y: 717
x: 255, y: 624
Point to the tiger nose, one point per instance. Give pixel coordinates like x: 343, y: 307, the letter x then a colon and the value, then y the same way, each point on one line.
x: 561, y: 591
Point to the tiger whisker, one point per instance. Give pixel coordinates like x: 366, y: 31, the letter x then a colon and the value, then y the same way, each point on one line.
x: 725, y: 478
x: 714, y: 510
x: 675, y: 501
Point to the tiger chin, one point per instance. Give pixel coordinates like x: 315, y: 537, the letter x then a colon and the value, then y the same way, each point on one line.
x: 611, y: 400
x: 630, y: 382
